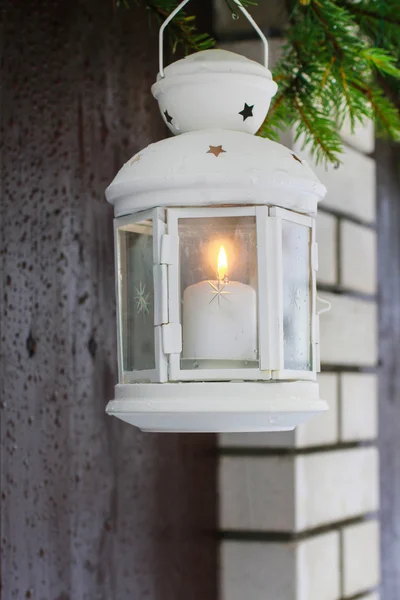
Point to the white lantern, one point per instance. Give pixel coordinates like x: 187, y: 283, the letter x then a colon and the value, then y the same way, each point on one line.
x: 216, y: 260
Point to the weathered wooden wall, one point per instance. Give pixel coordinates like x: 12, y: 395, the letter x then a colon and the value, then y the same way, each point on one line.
x: 388, y: 162
x: 91, y: 508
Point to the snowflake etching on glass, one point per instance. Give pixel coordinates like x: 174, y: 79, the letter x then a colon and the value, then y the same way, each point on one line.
x: 142, y: 299
x: 295, y: 297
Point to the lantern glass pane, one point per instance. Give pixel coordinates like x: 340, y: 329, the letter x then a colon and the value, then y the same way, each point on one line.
x: 136, y: 297
x: 218, y: 270
x: 296, y: 296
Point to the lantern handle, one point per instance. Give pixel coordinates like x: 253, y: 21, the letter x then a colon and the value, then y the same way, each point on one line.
x: 179, y: 8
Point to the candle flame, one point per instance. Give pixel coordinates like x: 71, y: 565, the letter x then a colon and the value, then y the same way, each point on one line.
x: 222, y: 264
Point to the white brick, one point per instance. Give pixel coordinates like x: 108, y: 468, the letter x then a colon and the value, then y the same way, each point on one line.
x: 358, y: 258
x: 258, y: 571
x: 318, y: 568
x: 280, y: 439
x: 361, y: 557
x: 257, y: 493
x: 324, y: 429
x: 327, y: 248
x: 307, y: 570
x: 359, y: 406
x: 351, y: 187
x: 363, y: 137
x: 333, y: 486
x: 349, y: 332
x: 320, y: 430
x: 296, y: 493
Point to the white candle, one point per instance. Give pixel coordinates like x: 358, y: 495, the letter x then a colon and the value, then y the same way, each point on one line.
x: 220, y: 321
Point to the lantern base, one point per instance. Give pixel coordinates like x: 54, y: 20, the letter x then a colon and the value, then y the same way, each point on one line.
x: 217, y: 406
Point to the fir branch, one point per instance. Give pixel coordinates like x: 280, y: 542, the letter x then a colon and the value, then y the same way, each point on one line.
x: 373, y: 11
x: 328, y: 71
x: 383, y: 61
x: 317, y: 128
x: 327, y: 44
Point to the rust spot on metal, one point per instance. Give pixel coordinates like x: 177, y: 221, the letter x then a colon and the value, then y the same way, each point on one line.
x: 135, y: 159
x: 297, y: 158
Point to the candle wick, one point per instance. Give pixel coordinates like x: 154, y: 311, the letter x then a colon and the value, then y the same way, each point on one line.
x: 223, y: 279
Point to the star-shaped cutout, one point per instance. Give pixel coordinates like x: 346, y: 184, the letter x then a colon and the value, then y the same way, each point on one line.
x: 297, y: 158
x: 216, y: 150
x: 168, y: 117
x: 218, y: 291
x: 247, y: 112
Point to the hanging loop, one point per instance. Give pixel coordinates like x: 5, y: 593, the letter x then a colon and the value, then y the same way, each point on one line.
x: 179, y: 8
x: 328, y: 306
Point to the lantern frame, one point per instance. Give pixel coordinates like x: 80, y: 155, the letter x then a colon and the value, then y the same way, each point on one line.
x: 167, y: 296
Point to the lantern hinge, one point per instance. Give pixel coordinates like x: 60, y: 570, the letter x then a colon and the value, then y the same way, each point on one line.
x: 161, y: 298
x: 314, y: 256
x: 172, y: 338
x: 168, y: 249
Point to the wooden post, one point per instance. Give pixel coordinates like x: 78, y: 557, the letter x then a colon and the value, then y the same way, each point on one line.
x: 91, y: 508
x: 388, y: 163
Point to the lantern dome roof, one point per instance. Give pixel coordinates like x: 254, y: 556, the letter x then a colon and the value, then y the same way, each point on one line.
x: 215, y: 61
x: 215, y: 167
x: 214, y: 88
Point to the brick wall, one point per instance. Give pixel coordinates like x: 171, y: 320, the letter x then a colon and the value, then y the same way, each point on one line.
x: 298, y: 510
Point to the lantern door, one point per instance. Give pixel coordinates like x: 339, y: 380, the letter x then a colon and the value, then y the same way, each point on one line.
x: 297, y: 264
x: 213, y: 294
x: 141, y: 297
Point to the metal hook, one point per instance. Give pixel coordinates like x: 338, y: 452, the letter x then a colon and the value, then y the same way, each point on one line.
x: 328, y: 306
x: 179, y: 8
